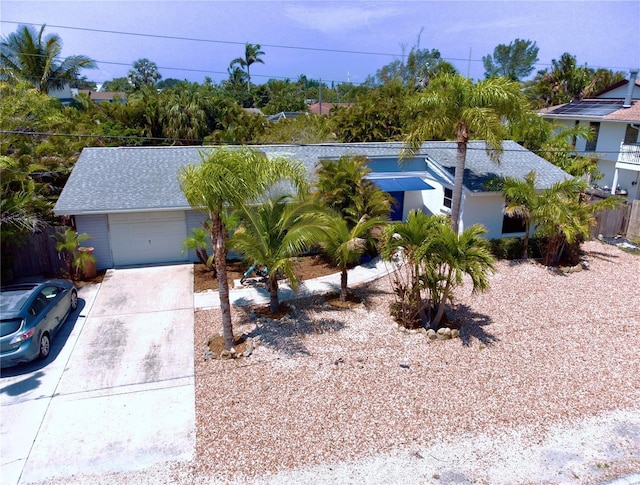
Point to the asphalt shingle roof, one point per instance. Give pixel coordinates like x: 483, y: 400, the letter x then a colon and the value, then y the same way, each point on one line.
x: 515, y: 161
x: 146, y: 178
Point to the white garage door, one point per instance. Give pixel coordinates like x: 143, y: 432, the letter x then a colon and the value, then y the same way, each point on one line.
x: 147, y: 237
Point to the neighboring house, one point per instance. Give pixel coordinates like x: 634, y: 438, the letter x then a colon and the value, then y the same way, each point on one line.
x: 324, y: 108
x: 614, y: 116
x: 285, y: 115
x: 105, y: 96
x: 64, y: 94
x: 129, y: 201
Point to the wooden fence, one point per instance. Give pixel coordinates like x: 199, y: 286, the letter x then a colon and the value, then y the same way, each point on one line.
x: 36, y: 256
x: 633, y: 227
x: 624, y: 221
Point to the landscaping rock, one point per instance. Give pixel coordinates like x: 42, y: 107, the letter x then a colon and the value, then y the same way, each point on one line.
x: 455, y: 333
x: 443, y: 333
x: 227, y: 355
x: 431, y: 333
x: 249, y: 350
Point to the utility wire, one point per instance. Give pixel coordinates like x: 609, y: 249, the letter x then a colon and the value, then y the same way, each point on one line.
x: 203, y: 71
x: 275, y: 46
x: 199, y: 142
x: 211, y: 41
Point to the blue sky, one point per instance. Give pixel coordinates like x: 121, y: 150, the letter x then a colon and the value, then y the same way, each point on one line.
x: 599, y: 33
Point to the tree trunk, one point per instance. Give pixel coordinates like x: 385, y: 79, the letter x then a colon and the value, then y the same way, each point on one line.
x: 462, y: 133
x: 525, y: 249
x: 343, y: 285
x: 218, y: 240
x: 274, y: 301
x: 443, y: 303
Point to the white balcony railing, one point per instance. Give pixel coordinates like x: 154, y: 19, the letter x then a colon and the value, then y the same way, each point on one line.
x: 629, y: 154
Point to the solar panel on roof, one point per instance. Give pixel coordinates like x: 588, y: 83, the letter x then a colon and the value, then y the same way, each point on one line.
x: 589, y: 107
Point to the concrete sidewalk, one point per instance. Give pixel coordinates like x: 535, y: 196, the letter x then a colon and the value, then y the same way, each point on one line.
x: 251, y: 295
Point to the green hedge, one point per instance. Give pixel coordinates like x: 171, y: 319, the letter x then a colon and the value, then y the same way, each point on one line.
x: 511, y: 248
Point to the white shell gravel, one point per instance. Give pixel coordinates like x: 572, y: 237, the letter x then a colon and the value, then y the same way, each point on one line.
x: 542, y: 387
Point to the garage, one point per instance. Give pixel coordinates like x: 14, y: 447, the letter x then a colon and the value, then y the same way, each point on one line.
x: 147, y: 237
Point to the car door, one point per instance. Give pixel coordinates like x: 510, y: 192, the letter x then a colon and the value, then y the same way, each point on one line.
x: 37, y: 315
x: 55, y: 308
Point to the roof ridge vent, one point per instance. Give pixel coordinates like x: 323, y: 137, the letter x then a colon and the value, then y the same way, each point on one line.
x: 632, y: 83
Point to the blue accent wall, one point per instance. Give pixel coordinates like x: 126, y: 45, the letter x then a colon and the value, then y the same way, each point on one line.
x: 397, y: 208
x: 96, y: 226
x: 391, y: 165
x: 195, y: 219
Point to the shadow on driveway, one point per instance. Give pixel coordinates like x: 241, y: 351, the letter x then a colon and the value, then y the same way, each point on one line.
x: 57, y: 344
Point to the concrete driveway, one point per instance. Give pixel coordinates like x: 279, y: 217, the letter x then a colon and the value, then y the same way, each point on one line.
x: 117, y: 391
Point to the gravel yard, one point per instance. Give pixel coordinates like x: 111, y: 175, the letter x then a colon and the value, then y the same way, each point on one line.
x: 543, y: 387
x: 541, y: 355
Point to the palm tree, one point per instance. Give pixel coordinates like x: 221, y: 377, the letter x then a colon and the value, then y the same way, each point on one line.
x: 186, y: 113
x: 342, y: 186
x: 68, y: 244
x: 274, y: 234
x: 402, y: 243
x: 453, y: 106
x: 28, y: 55
x: 226, y: 179
x: 252, y: 54
x: 450, y: 255
x: 563, y: 217
x: 199, y: 243
x: 143, y: 73
x: 22, y: 205
x: 405, y: 239
x: 344, y: 244
x: 521, y: 198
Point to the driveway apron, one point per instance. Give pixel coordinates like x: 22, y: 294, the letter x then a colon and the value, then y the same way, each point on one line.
x: 125, y: 400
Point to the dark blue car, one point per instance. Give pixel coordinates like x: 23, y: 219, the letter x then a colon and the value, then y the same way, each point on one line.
x: 30, y: 316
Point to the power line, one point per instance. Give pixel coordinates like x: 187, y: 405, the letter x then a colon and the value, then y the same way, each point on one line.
x: 199, y: 142
x: 210, y: 41
x: 275, y: 46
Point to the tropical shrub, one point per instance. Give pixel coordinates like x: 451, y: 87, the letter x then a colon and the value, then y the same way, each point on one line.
x: 68, y: 245
x: 436, y: 258
x: 199, y: 242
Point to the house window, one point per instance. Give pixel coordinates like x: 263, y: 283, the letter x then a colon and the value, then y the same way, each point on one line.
x: 631, y: 135
x: 512, y: 224
x: 591, y: 144
x: 448, y: 198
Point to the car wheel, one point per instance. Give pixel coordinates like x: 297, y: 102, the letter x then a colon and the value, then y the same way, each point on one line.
x: 45, y: 345
x: 74, y: 300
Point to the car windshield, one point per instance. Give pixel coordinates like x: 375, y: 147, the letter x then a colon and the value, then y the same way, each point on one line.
x: 7, y: 327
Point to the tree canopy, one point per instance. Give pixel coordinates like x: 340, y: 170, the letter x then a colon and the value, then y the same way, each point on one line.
x: 252, y: 55
x: 29, y: 55
x: 143, y: 73
x: 453, y: 107
x: 566, y: 80
x: 514, y: 61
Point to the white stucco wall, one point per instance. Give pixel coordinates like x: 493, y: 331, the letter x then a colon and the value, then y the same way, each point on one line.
x: 413, y: 201
x: 609, y: 139
x: 432, y: 199
x: 485, y: 209
x: 610, y: 135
